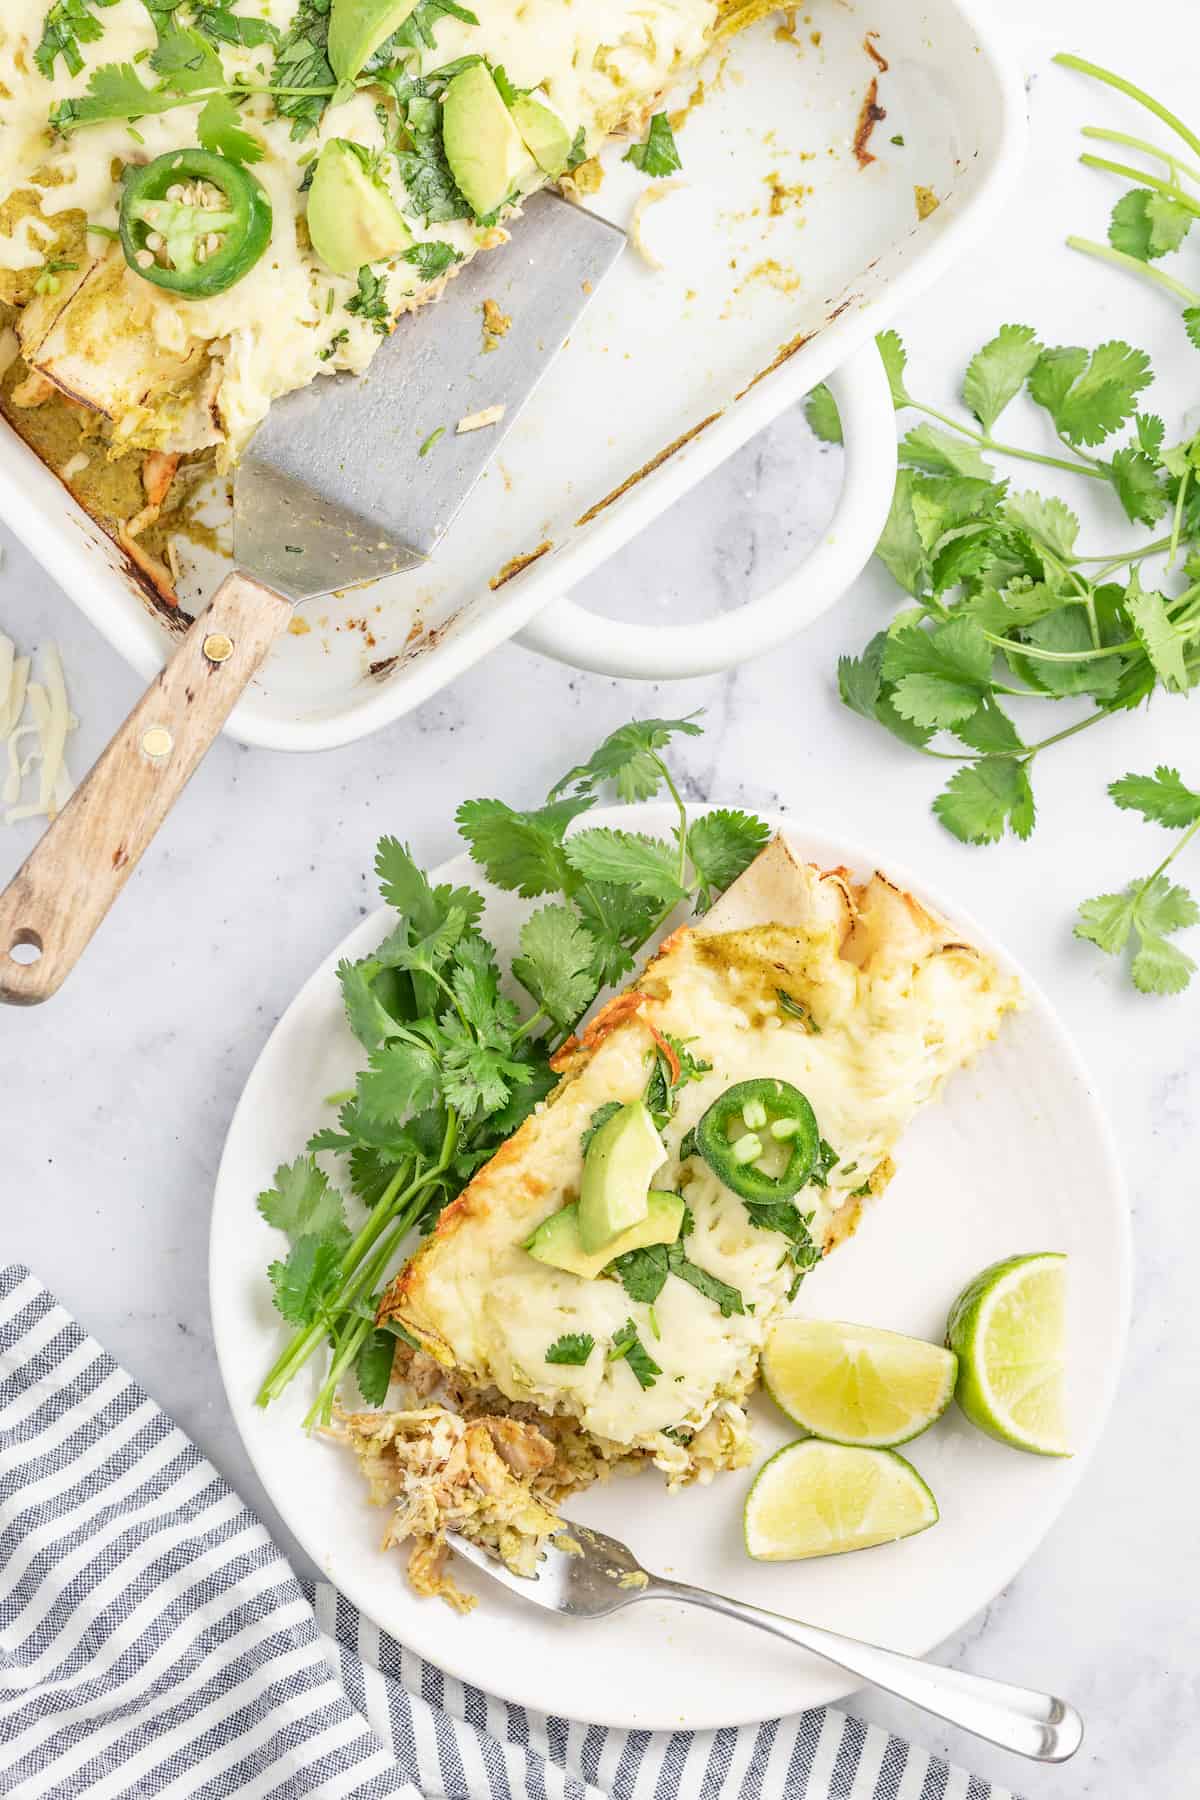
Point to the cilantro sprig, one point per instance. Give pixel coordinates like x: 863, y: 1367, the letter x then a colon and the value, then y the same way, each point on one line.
x: 453, y: 1064
x: 1153, y: 219
x: 1150, y: 911
x: 1007, y: 608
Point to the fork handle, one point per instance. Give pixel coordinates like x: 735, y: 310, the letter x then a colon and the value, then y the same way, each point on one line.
x: 1016, y: 1718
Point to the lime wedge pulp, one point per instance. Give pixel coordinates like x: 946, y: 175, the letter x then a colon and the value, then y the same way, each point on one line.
x: 1008, y: 1328
x: 853, y: 1384
x: 816, y: 1499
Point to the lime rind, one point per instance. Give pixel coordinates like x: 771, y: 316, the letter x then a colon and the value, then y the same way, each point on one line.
x: 817, y: 1499
x: 856, y: 1384
x: 1008, y: 1329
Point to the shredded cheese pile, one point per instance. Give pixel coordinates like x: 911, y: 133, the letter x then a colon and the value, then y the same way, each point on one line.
x: 37, y: 709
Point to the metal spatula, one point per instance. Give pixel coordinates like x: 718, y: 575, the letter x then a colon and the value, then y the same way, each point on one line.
x: 332, y: 493
x: 586, y: 1574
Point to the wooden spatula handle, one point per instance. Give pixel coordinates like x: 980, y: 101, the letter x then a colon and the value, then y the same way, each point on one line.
x: 72, y: 876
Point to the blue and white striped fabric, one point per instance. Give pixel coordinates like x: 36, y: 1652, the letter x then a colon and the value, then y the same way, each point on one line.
x: 153, y: 1641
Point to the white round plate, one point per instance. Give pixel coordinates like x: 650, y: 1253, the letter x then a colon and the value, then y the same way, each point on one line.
x: 1016, y: 1157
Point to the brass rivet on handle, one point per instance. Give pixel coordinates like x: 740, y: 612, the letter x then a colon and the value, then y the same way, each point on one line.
x: 158, y: 742
x: 217, y: 647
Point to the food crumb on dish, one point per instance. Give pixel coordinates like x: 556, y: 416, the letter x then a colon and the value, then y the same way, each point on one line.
x: 299, y: 627
x: 927, y: 201
x: 478, y: 421
x: 496, y: 324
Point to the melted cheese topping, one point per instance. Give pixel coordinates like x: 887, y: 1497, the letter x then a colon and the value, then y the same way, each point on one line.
x: 601, y: 63
x: 891, y: 1030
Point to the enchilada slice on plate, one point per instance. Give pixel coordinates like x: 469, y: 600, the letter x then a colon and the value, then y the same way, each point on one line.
x: 779, y: 1047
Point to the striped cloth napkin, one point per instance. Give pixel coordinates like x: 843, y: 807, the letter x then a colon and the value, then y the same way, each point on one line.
x: 154, y: 1641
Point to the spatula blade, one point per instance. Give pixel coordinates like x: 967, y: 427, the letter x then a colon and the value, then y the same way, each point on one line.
x: 333, y: 490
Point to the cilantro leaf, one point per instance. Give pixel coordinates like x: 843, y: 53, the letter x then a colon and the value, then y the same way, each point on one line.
x: 1153, y: 910
x: 219, y: 129
x: 941, y: 453
x: 627, y: 859
x: 302, y: 61
x: 1049, y: 520
x: 435, y: 195
x: 821, y: 411
x: 600, y: 1117
x: 217, y: 20
x: 860, y: 685
x: 629, y: 757
x: 627, y: 1344
x: 1134, y: 475
x: 901, y: 549
x: 1157, y: 636
x: 187, y: 61
x: 405, y: 887
x: 373, y: 1366
x: 642, y: 1273
x: 728, y: 1299
x: 1163, y: 798
x: 1066, y: 632
x: 981, y: 800
x: 1160, y: 967
x: 417, y: 31
x: 573, y: 1348
x: 1191, y: 324
x: 557, y: 963
x: 895, y: 360
x: 1170, y: 223
x: 722, y: 844
x: 1129, y: 226
x: 941, y: 676
x: 521, y: 851
x: 1088, y: 398
x: 368, y: 1018
x: 431, y: 258
x: 991, y: 730
x: 658, y: 155
x: 785, y: 1217
x: 305, y: 1278
x: 370, y: 302
x: 998, y: 372
x: 402, y: 1078
x: 68, y: 24
x: 619, y: 921
x: 303, y: 1203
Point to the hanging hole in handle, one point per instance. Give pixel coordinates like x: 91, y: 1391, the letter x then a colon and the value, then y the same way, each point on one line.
x: 26, y: 946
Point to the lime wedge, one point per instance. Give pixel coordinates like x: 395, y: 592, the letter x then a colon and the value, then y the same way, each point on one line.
x: 815, y: 1499
x: 1008, y: 1327
x: 853, y: 1384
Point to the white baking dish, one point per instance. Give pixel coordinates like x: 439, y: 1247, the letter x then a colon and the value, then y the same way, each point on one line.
x: 777, y: 242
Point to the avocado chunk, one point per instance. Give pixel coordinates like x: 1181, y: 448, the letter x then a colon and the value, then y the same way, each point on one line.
x: 546, y: 136
x: 617, y: 1171
x: 352, y: 219
x: 556, y: 1240
x: 358, y: 27
x: 483, y: 147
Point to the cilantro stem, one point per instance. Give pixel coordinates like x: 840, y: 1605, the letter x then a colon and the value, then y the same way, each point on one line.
x: 989, y: 443
x: 1106, y: 253
x: 1128, y: 556
x: 1170, y: 188
x: 1104, y: 136
x: 682, y: 811
x: 1169, y: 858
x: 1067, y: 61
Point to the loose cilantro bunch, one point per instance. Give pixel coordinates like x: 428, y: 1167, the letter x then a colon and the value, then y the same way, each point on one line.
x: 453, y: 1063
x: 1151, y: 910
x: 1007, y: 607
x: 1153, y: 219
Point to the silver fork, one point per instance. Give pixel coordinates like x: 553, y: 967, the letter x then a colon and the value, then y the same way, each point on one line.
x: 586, y: 1574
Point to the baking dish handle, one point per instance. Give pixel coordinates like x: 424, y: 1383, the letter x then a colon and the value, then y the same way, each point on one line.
x: 571, y: 634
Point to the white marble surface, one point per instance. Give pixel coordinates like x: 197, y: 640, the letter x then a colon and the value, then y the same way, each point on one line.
x: 115, y: 1099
